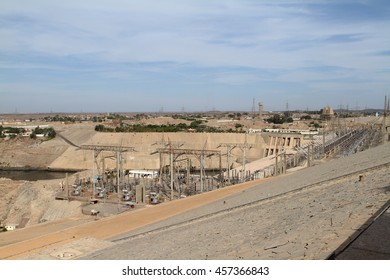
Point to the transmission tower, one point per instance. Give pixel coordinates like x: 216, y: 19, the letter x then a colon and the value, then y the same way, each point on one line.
x: 244, y: 147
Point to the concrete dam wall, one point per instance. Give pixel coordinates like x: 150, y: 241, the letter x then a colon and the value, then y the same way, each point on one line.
x: 146, y: 145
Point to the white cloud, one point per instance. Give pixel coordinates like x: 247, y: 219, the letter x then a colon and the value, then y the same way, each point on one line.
x: 284, y: 37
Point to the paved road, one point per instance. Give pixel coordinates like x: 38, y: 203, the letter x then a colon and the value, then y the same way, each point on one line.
x: 372, y: 244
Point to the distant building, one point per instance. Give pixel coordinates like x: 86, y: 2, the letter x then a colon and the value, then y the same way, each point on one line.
x: 260, y: 110
x: 143, y: 174
x: 327, y: 113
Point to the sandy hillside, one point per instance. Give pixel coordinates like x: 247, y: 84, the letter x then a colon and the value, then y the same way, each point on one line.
x: 24, y: 152
x: 28, y: 203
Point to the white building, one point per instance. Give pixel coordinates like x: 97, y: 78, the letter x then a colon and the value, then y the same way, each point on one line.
x: 143, y: 174
x: 10, y: 227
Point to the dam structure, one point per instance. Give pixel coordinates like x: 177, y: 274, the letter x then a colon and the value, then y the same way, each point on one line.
x: 308, y: 214
x: 306, y: 195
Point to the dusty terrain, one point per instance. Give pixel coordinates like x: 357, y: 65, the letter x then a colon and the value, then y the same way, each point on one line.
x: 305, y: 225
x: 304, y: 215
x: 26, y: 153
x: 326, y: 209
x: 29, y: 242
x: 308, y: 223
x: 29, y: 203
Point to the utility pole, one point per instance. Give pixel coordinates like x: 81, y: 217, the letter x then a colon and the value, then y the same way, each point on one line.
x: 174, y: 153
x: 323, y: 140
x: 104, y: 177
x: 93, y: 174
x: 254, y: 108
x: 229, y: 148
x: 169, y: 147
x: 244, y: 163
x: 117, y: 172
x: 188, y: 171
x: 283, y: 159
x: 243, y: 147
x: 309, y: 152
x: 172, y: 171
x: 201, y: 171
x: 119, y: 169
x: 276, y: 164
x: 97, y: 149
x: 67, y: 186
x: 201, y: 160
x: 388, y: 109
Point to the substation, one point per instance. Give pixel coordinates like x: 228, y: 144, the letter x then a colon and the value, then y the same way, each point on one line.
x: 299, y: 213
x: 184, y: 170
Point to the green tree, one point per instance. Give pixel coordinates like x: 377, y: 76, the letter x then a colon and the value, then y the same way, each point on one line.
x: 50, y: 133
x: 276, y: 119
x: 306, y: 117
x: 195, y: 124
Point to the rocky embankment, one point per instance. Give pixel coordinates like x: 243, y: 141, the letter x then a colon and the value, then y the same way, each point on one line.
x: 29, y: 203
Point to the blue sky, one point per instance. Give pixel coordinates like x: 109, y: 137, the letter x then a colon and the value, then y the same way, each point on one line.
x: 192, y: 55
